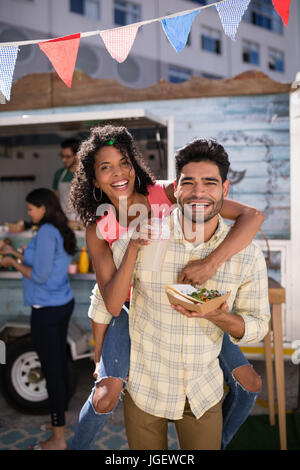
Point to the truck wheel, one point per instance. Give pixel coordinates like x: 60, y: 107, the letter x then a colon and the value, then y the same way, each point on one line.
x: 23, y: 381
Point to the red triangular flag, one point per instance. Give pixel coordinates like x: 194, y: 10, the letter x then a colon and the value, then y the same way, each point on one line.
x: 62, y: 53
x: 283, y: 9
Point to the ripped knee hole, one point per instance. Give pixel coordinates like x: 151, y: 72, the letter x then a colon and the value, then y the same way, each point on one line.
x: 248, y: 378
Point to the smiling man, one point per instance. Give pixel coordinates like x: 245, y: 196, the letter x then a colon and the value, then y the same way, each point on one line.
x: 174, y: 366
x: 202, y: 186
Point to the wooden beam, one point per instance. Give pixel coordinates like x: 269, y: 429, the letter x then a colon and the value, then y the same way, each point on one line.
x: 46, y: 90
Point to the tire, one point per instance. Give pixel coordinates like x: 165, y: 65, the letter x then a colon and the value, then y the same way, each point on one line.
x: 23, y: 382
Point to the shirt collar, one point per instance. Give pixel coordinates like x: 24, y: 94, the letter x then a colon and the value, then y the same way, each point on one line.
x: 220, y: 233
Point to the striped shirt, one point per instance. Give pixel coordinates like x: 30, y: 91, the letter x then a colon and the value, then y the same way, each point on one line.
x: 172, y: 356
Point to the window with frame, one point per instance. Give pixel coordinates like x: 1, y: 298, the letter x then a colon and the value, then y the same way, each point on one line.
x: 276, y: 60
x: 211, y: 40
x: 250, y: 52
x: 203, y: 2
x: 89, y: 8
x: 126, y: 12
x: 212, y: 76
x: 263, y: 14
x: 178, y: 74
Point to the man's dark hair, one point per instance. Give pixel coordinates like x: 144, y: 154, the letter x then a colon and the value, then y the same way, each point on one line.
x: 71, y: 143
x: 202, y: 150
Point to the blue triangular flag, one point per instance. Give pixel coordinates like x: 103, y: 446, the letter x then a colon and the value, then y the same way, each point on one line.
x: 8, y: 57
x: 177, y: 29
x: 231, y: 13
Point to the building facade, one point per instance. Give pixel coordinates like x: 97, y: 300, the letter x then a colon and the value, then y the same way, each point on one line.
x: 263, y: 42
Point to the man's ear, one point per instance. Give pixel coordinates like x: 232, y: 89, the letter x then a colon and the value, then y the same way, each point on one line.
x: 226, y: 186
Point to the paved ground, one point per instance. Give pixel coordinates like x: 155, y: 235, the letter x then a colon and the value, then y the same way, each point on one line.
x: 19, y: 430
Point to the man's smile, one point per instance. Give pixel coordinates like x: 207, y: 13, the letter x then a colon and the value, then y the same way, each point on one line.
x: 197, y: 205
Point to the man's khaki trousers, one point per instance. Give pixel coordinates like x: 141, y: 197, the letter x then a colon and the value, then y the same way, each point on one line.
x: 147, y: 432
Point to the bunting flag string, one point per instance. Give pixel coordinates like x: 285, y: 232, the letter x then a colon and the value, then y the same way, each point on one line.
x: 62, y: 53
x: 119, y: 41
x: 283, y: 9
x: 231, y: 13
x: 177, y: 29
x: 8, y: 57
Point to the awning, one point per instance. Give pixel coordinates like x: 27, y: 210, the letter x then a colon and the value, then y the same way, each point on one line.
x: 77, y: 121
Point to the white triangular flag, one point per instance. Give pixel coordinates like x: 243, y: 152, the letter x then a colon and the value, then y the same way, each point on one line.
x: 8, y: 57
x: 231, y: 13
x: 119, y: 41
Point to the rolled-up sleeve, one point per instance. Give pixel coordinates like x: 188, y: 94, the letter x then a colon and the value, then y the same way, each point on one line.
x: 252, y: 302
x: 97, y: 310
x: 44, y: 254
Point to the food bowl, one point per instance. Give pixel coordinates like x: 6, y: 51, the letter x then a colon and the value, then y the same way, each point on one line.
x: 180, y: 294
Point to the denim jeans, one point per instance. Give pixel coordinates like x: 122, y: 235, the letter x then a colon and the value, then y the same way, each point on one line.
x: 236, y: 407
x: 239, y: 402
x: 114, y: 362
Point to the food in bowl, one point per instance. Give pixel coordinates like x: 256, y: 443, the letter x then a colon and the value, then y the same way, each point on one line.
x: 199, y: 300
x: 205, y: 295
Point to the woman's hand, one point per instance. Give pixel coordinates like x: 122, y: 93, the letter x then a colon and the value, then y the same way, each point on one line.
x: 96, y: 371
x: 7, y: 262
x: 145, y: 232
x: 197, y: 272
x: 7, y: 250
x: 138, y: 242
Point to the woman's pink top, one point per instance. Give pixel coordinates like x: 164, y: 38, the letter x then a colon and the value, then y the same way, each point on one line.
x: 110, y: 228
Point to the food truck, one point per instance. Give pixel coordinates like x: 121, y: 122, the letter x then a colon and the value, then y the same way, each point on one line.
x: 256, y: 119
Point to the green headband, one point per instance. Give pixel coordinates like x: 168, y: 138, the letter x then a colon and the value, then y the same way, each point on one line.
x: 110, y: 142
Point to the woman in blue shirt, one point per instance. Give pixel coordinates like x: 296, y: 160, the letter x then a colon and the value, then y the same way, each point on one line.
x: 47, y: 290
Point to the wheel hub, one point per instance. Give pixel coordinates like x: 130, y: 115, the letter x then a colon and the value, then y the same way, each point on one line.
x: 27, y: 377
x: 35, y: 375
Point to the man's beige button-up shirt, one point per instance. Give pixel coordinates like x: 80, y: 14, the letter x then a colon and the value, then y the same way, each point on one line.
x: 172, y: 356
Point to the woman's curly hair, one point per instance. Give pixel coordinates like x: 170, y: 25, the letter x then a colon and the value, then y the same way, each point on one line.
x: 82, y: 189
